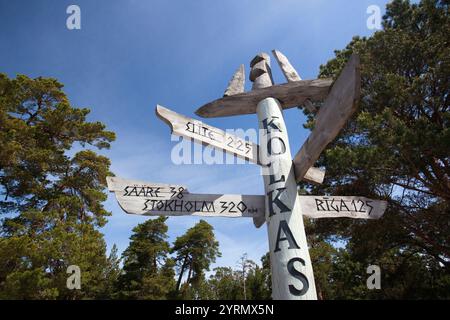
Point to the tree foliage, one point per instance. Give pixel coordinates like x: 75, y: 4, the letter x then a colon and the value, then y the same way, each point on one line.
x: 395, y: 148
x: 195, y: 251
x: 51, y: 200
x: 248, y: 282
x: 147, y: 270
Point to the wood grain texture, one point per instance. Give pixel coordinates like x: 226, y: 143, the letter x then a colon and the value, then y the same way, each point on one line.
x: 215, y: 137
x: 308, y: 105
x: 286, y: 67
x: 150, y: 199
x: 340, y: 104
x: 314, y: 175
x: 289, y: 95
x: 157, y: 199
x: 237, y: 82
x: 161, y: 190
x: 341, y: 206
x: 260, y: 72
x: 291, y: 75
x: 208, y: 135
x: 283, y: 211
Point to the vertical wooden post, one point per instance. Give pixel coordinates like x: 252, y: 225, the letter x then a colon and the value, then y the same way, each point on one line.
x: 292, y: 273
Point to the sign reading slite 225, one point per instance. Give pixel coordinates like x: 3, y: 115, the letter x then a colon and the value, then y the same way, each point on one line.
x: 209, y: 135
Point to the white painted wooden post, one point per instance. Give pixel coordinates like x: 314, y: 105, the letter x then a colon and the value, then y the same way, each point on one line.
x: 292, y: 273
x: 281, y: 206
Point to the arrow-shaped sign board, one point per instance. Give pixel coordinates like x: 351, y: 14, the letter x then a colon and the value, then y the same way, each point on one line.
x: 142, y: 198
x: 337, y: 206
x: 209, y: 135
x: 232, y: 144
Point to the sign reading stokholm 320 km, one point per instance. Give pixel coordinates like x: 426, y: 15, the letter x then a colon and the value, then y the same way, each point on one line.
x: 281, y: 207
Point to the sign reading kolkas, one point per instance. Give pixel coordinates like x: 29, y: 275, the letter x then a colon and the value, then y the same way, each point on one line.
x: 281, y: 207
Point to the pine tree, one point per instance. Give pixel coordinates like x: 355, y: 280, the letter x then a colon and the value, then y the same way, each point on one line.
x: 52, y: 199
x: 147, y: 270
x: 395, y: 148
x: 195, y: 251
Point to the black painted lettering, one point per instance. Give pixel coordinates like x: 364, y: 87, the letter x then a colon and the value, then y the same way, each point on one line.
x: 190, y: 127
x: 319, y: 205
x: 272, y: 124
x: 300, y: 276
x: 277, y: 201
x: 288, y: 236
x: 269, y: 146
x: 178, y: 205
x: 272, y: 179
x: 368, y: 203
x: 343, y: 205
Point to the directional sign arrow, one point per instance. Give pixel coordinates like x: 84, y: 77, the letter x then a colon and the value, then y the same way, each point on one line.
x: 148, y: 198
x: 209, y: 135
x: 134, y: 199
x: 338, y: 206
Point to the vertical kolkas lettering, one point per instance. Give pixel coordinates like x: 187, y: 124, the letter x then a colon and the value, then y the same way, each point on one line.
x: 292, y: 244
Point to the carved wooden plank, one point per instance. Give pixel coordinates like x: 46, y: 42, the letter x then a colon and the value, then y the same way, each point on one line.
x: 332, y: 116
x: 287, y: 238
x: 314, y: 175
x: 209, y: 135
x: 338, y: 206
x: 135, y: 197
x: 206, y: 134
x: 355, y: 207
x: 289, y: 94
x: 136, y: 188
x: 286, y: 67
x: 237, y: 83
x: 291, y: 75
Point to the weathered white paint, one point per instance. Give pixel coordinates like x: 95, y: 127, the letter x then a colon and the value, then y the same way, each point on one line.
x: 132, y: 196
x: 338, y: 206
x: 152, y: 199
x: 292, y: 273
x: 206, y: 134
x: 283, y: 211
x: 209, y: 135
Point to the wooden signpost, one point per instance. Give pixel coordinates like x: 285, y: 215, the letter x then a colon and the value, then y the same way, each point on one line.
x: 281, y: 207
x: 155, y: 199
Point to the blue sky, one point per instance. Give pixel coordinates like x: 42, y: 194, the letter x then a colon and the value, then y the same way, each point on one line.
x: 132, y: 54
